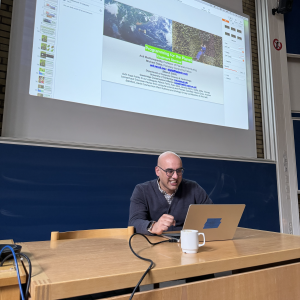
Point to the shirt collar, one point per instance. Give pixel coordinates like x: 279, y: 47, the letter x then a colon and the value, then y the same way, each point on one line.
x: 162, y: 191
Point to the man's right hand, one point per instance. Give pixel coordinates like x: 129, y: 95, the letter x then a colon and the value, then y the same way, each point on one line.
x: 163, y: 224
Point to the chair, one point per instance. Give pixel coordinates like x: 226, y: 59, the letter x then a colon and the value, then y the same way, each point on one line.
x: 90, y: 234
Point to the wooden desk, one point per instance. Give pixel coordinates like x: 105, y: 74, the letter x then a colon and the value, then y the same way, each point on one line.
x: 9, y: 286
x: 69, y: 268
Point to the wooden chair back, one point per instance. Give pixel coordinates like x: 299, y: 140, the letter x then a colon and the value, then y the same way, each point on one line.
x: 91, y: 234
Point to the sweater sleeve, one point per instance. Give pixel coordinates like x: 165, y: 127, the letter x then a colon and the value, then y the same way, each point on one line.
x: 138, y: 211
x: 201, y: 196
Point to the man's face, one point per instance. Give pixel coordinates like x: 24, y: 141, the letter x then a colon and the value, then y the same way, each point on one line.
x: 169, y: 184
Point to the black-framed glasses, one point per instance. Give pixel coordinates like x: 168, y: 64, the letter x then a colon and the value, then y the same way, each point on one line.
x: 170, y: 172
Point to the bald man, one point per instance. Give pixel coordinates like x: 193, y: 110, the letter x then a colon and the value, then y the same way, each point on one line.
x: 162, y: 204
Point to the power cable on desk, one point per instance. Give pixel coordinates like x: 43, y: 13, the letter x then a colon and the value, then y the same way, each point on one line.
x: 146, y: 259
x: 17, y: 269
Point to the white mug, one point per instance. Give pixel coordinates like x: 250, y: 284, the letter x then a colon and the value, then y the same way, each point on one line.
x: 190, y: 241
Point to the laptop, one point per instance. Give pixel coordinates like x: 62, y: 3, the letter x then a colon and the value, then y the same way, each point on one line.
x: 218, y: 222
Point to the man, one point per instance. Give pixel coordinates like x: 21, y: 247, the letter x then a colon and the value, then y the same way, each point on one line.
x: 161, y: 204
x: 201, y: 52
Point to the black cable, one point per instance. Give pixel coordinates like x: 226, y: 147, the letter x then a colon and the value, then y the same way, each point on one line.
x: 29, y: 272
x: 143, y: 258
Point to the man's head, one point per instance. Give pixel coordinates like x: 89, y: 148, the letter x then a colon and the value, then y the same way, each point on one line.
x: 168, y: 161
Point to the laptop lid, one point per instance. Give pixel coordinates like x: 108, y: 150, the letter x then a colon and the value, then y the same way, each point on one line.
x: 217, y: 221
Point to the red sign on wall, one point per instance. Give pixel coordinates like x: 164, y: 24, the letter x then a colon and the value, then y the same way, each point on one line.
x: 277, y: 45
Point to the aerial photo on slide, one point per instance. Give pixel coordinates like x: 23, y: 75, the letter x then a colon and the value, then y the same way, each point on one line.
x: 140, y: 27
x: 136, y: 26
x: 203, y: 46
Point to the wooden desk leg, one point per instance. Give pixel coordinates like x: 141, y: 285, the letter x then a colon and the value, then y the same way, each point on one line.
x: 11, y: 292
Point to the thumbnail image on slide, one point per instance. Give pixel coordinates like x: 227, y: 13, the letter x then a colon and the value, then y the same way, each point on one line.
x: 142, y: 28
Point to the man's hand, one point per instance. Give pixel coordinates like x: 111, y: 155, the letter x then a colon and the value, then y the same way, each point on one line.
x: 163, y: 224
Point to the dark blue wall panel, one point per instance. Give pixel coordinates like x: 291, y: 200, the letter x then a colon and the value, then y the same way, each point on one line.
x: 292, y: 32
x: 296, y: 124
x: 45, y: 189
x: 295, y: 115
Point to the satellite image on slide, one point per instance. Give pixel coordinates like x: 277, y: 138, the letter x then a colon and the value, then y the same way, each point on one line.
x: 201, y: 45
x: 140, y: 27
x: 136, y: 26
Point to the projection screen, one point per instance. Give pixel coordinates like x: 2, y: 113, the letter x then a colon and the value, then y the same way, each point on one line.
x: 148, y: 75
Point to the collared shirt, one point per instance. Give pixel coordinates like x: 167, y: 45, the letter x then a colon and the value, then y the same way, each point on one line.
x: 168, y: 197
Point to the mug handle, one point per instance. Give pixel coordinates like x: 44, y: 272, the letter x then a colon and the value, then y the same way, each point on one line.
x: 200, y: 233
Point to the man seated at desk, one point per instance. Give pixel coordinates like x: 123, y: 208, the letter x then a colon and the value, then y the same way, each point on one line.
x: 162, y: 204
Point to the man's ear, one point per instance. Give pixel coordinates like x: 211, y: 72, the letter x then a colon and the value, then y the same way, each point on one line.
x: 157, y: 170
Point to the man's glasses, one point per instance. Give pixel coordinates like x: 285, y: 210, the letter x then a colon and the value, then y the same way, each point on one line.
x: 170, y: 172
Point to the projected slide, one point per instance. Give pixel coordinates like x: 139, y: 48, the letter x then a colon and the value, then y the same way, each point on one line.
x: 182, y: 60
x: 161, y: 54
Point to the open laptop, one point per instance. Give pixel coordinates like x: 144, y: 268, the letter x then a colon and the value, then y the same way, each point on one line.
x: 218, y: 222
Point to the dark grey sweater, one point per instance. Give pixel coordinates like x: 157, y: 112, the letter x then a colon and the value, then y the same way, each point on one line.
x: 147, y: 204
